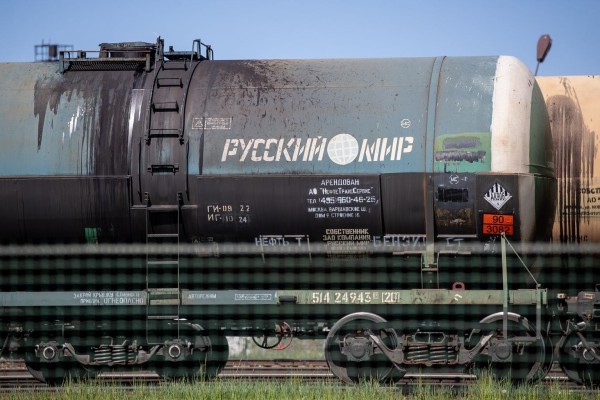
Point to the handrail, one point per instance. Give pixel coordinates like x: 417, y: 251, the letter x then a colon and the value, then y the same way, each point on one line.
x: 538, y: 291
x: 133, y: 54
x: 69, y: 58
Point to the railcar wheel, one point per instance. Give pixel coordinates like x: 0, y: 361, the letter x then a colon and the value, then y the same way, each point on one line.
x: 351, y: 354
x: 518, y: 362
x: 54, y: 373
x: 568, y: 358
x: 210, y: 363
x: 577, y: 362
x: 549, y: 357
x: 207, y: 360
x: 34, y: 367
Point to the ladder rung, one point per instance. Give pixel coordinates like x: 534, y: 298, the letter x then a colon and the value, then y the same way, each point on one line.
x: 163, y: 293
x: 164, y: 302
x: 163, y: 316
x: 169, y: 82
x: 156, y: 168
x: 163, y: 235
x: 429, y: 269
x: 165, y: 262
x: 166, y: 106
x: 163, y: 208
x: 158, y: 132
x: 177, y: 65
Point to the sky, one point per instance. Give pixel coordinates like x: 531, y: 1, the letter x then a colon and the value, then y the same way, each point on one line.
x: 279, y: 29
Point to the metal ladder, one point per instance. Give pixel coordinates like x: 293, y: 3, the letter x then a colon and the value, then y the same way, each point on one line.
x: 173, y: 77
x: 164, y: 151
x: 162, y: 263
x: 168, y: 100
x: 165, y: 131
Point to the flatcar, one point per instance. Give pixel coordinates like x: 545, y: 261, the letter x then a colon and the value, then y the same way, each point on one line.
x: 155, y: 202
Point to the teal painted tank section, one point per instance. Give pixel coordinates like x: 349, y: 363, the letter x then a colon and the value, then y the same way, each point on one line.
x: 336, y: 116
x: 247, y: 117
x: 464, y: 115
x: 274, y: 116
x: 63, y: 124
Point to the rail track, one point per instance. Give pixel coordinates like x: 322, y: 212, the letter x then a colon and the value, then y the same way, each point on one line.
x: 14, y: 376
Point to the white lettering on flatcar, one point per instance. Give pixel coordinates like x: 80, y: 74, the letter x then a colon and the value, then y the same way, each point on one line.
x: 110, y: 298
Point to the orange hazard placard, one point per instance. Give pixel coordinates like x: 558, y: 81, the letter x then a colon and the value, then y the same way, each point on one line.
x: 495, y: 224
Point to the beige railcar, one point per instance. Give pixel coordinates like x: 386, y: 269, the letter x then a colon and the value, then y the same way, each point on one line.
x: 574, y: 108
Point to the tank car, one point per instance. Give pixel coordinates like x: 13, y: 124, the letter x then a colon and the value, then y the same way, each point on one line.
x: 155, y: 202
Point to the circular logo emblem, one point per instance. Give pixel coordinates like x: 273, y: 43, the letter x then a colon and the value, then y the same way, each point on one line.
x: 405, y: 123
x: 342, y: 149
